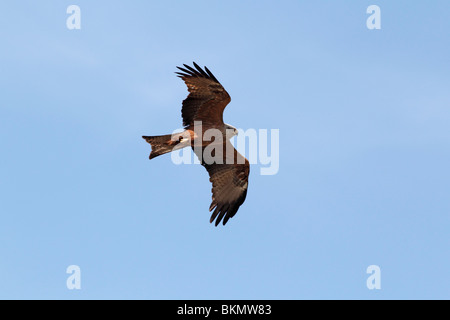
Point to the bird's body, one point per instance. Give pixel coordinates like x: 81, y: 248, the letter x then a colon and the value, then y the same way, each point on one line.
x: 208, y: 135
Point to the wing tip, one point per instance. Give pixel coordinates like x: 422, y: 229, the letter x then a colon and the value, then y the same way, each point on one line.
x: 198, y: 72
x: 222, y: 213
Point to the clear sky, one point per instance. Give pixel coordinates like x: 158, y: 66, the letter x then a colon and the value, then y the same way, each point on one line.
x: 364, y: 178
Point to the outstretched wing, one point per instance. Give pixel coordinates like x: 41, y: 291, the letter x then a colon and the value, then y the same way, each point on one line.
x: 207, y: 98
x: 229, y: 182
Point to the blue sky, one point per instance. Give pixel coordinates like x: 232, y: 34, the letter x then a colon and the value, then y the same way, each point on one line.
x: 364, y: 148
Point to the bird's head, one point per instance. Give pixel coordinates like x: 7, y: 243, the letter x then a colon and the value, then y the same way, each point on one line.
x: 230, y: 131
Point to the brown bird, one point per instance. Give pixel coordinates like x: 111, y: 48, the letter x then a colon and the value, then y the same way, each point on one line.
x: 208, y: 135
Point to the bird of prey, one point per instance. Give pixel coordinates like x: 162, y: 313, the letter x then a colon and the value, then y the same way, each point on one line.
x: 202, y: 111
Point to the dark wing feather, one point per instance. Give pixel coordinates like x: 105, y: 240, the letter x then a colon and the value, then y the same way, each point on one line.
x: 207, y: 98
x: 229, y: 183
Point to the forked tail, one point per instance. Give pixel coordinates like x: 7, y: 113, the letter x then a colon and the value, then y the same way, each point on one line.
x: 164, y: 144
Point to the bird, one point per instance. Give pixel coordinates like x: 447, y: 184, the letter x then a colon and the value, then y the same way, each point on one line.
x: 202, y: 113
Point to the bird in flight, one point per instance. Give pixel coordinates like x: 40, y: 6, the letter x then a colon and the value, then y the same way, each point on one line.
x: 207, y: 134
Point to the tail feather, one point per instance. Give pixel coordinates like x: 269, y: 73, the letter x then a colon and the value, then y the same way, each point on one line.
x: 162, y: 144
